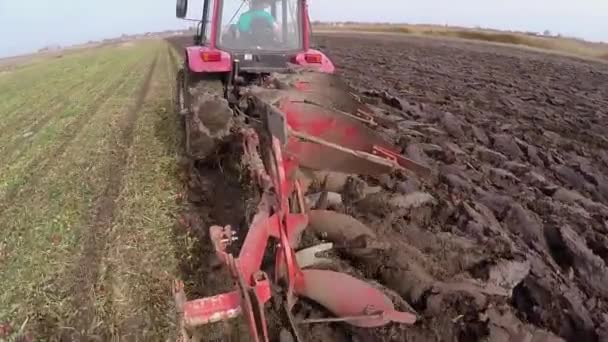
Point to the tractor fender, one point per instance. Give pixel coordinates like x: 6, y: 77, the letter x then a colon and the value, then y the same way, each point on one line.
x: 326, y: 65
x: 195, y: 56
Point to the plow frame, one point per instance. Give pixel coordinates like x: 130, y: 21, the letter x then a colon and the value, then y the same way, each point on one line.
x: 281, y: 215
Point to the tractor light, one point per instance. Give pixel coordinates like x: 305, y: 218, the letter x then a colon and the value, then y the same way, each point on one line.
x: 313, y: 58
x: 211, y: 56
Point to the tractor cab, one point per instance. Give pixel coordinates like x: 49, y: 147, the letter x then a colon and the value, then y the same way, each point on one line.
x: 260, y: 25
x: 262, y: 35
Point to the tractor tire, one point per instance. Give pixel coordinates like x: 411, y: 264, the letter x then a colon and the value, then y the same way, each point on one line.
x: 208, y: 118
x: 180, y: 101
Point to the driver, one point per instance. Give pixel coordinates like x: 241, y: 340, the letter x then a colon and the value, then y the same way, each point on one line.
x: 256, y: 11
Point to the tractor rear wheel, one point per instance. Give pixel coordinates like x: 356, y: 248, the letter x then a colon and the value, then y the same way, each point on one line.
x: 180, y: 101
x: 208, y: 118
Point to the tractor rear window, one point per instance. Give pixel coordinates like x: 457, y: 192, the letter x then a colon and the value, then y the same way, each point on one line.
x: 265, y: 25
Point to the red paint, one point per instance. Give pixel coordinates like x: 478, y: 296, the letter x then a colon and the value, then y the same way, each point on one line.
x: 351, y: 132
x: 325, y: 65
x: 212, y: 309
x: 221, y: 307
x: 291, y: 114
x: 314, y: 127
x: 306, y: 27
x: 318, y: 127
x: 197, y: 64
x: 252, y: 252
x: 215, y: 20
x: 293, y: 122
x: 302, y: 86
x: 346, y: 296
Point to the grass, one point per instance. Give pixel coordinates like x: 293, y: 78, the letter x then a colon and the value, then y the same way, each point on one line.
x: 43, y: 82
x: 24, y: 156
x: 565, y: 45
x: 55, y: 167
x: 44, y: 224
x: 38, y: 125
x: 137, y: 270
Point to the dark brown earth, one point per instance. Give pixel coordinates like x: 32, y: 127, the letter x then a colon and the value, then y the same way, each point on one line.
x: 508, y: 240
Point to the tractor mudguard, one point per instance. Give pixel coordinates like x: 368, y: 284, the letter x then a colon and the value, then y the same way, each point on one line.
x: 205, y: 59
x: 316, y: 59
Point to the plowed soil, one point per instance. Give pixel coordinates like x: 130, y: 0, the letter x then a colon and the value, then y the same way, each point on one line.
x: 508, y: 239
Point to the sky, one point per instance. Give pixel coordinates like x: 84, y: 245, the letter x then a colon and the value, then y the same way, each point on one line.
x: 27, y: 25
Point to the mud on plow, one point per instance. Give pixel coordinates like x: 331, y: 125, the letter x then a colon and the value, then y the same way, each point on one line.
x: 295, y: 129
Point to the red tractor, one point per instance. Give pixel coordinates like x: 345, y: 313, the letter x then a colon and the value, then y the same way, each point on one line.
x: 251, y: 73
x: 236, y: 47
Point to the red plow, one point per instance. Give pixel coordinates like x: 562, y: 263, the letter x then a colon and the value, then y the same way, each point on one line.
x: 288, y: 137
x: 290, y: 121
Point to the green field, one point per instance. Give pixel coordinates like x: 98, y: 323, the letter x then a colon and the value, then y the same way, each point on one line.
x: 88, y: 182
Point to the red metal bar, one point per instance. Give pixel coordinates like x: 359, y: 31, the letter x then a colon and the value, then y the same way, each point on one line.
x: 212, y: 309
x: 254, y: 246
x: 215, y: 23
x: 221, y: 307
x: 305, y: 25
x: 262, y: 298
x: 247, y: 305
